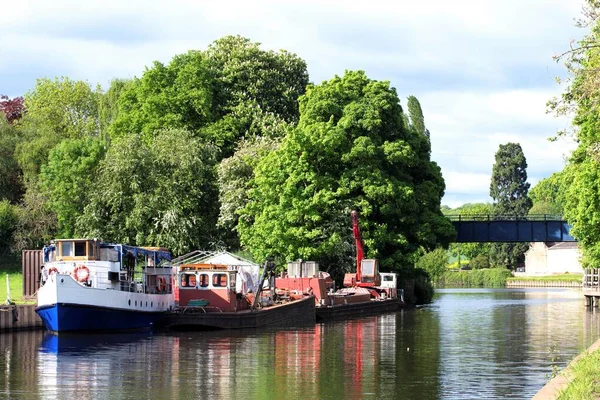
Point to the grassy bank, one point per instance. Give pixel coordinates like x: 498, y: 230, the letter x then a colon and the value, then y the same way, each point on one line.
x: 586, y: 378
x: 11, y: 266
x: 492, y: 277
x: 550, y: 278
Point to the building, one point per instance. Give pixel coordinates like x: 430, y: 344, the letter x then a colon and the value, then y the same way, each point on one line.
x: 548, y: 258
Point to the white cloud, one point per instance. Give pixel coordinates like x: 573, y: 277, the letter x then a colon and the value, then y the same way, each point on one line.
x: 482, y: 69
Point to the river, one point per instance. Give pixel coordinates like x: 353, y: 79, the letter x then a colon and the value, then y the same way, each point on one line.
x: 468, y: 344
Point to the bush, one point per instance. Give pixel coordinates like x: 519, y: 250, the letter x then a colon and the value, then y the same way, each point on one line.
x: 8, y: 223
x: 492, y: 277
x: 479, y: 262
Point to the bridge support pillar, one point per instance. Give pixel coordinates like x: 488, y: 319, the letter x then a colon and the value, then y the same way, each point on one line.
x: 587, y: 301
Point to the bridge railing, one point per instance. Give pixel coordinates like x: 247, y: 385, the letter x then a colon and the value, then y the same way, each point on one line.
x: 505, y: 217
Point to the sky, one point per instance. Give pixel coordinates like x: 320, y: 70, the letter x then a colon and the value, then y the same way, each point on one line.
x: 482, y: 70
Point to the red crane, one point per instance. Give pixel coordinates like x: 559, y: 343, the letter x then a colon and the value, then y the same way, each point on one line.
x: 359, y: 245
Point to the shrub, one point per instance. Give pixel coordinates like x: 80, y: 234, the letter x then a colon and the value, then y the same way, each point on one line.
x: 8, y: 222
x: 491, y: 277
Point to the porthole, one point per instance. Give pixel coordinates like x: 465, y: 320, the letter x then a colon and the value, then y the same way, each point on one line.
x: 136, y: 303
x: 151, y: 304
x: 129, y: 301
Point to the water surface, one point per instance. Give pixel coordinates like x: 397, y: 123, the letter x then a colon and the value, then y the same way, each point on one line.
x: 469, y: 344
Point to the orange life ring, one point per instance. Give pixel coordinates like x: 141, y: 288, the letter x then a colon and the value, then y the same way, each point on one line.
x: 83, y: 277
x: 53, y: 270
x: 161, y: 284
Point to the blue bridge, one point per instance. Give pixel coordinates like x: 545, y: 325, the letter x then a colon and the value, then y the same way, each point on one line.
x: 511, y: 228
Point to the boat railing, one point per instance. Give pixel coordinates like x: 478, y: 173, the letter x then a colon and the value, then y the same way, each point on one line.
x: 100, y: 280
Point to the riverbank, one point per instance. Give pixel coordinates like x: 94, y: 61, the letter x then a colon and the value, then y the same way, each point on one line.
x: 577, y: 381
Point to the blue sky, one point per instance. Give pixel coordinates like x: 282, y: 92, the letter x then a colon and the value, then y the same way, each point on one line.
x: 483, y: 70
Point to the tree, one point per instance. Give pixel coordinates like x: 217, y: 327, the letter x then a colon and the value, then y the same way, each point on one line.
x: 548, y: 195
x: 235, y: 175
x: 11, y: 179
x: 13, y: 109
x: 8, y: 221
x: 508, y: 189
x: 416, y: 115
x: 225, y: 93
x: 158, y: 193
x: 69, y: 177
x: 57, y: 109
x: 435, y: 263
x: 350, y: 150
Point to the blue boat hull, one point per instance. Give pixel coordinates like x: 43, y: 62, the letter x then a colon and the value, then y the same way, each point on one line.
x: 81, y: 318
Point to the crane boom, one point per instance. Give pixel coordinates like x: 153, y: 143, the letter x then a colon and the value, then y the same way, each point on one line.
x: 359, y: 245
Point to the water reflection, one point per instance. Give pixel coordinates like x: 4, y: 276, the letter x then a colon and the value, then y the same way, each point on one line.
x: 468, y: 344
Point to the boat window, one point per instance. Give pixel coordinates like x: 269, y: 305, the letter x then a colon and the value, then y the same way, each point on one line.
x: 219, y: 280
x: 80, y: 249
x: 203, y: 280
x: 188, y: 280
x: 232, y: 280
x: 91, y: 249
x: 66, y: 249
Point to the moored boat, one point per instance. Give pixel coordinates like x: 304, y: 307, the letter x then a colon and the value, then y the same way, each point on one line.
x: 365, y: 292
x: 90, y: 286
x: 208, y: 299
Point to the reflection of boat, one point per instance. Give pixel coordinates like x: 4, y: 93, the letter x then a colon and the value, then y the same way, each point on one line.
x: 365, y: 292
x: 94, y: 286
x: 78, y: 343
x: 208, y: 299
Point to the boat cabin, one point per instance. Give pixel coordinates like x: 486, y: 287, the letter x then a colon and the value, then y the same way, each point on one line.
x: 208, y: 285
x: 95, y: 264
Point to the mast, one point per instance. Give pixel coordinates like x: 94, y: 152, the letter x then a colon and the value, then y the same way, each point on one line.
x: 359, y: 245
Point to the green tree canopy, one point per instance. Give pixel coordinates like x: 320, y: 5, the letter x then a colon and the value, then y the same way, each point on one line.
x: 548, y: 195
x: 159, y: 193
x: 69, y: 177
x: 231, y: 90
x: 351, y: 150
x: 416, y: 115
x: 11, y: 180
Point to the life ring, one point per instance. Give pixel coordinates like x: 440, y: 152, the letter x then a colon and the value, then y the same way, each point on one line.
x: 53, y: 270
x: 81, y: 277
x: 161, y: 284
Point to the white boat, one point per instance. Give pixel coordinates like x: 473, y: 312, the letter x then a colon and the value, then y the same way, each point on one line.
x: 90, y: 286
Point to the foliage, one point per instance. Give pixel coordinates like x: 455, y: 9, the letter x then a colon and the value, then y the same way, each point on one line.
x: 548, y: 195
x: 108, y: 105
x: 434, y: 263
x: 36, y: 222
x: 13, y: 109
x: 243, y: 72
x: 509, y: 190
x: 159, y: 193
x: 350, y: 150
x: 230, y: 91
x: 234, y: 176
x: 11, y: 180
x: 56, y: 110
x: 494, y: 277
x: 423, y: 290
x: 8, y: 221
x: 415, y: 112
x: 69, y: 177
x: 479, y: 262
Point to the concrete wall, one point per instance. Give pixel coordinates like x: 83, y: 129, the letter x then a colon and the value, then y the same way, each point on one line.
x: 536, y: 259
x: 561, y: 261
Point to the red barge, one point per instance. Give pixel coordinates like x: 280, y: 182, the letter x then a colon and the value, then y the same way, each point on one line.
x: 365, y: 292
x: 206, y: 298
